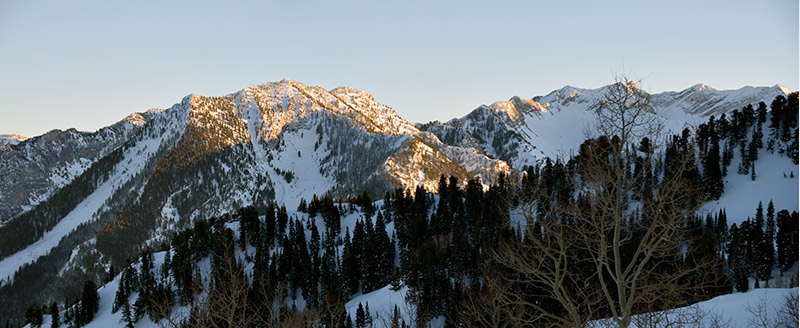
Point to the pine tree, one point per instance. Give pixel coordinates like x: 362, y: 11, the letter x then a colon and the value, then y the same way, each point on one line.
x: 121, y: 296
x: 368, y: 318
x: 787, y: 240
x: 762, y: 249
x: 33, y: 315
x: 54, y: 317
x: 126, y: 316
x: 350, y: 270
x: 69, y: 316
x: 331, y: 217
x: 442, y: 219
x: 737, y: 259
x: 270, y: 225
x: 384, y: 252
x: 418, y: 226
x: 110, y: 274
x: 752, y: 155
x: 769, y: 240
x: 348, y: 322
x: 303, y: 207
x: 361, y: 320
x: 283, y: 219
x: 395, y: 318
x: 722, y: 235
x: 711, y: 167
x: 90, y: 302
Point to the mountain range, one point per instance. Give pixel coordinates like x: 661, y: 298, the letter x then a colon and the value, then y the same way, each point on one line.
x: 72, y: 202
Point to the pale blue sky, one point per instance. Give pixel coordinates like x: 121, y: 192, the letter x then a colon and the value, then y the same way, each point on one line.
x: 88, y: 64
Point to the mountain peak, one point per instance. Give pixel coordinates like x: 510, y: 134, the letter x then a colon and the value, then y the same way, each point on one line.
x: 516, y: 107
x: 11, y: 139
x: 702, y: 87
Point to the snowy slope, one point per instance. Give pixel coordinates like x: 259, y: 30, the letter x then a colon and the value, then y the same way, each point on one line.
x: 134, y: 160
x: 522, y: 131
x: 732, y: 310
x: 777, y: 181
x: 33, y: 169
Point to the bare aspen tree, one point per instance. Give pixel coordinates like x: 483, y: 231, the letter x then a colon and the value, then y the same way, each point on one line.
x: 490, y: 306
x: 601, y: 254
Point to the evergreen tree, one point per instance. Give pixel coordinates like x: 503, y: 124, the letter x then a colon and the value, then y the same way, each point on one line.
x: 54, y: 317
x: 249, y: 226
x: 303, y: 207
x: 331, y: 217
x: 365, y: 202
x: 33, y: 315
x: 769, y: 240
x: 69, y: 316
x: 348, y: 322
x: 314, y: 254
x: 368, y: 319
x: 787, y: 240
x: 90, y: 302
x: 361, y: 320
x: 384, y: 252
x: 126, y: 316
x: 121, y: 296
x: 283, y: 219
x: 752, y: 154
x: 110, y: 274
x: 722, y: 235
x: 763, y: 247
x: 418, y: 226
x: 711, y: 166
x: 442, y: 219
x: 737, y: 261
x: 350, y: 270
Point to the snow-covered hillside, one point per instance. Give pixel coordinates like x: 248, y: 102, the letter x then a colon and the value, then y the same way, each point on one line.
x: 522, y: 131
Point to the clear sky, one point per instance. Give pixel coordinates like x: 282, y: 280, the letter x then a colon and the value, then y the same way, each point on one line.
x: 88, y: 64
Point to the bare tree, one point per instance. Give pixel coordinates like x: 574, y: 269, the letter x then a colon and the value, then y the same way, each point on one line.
x: 625, y: 111
x: 488, y: 306
x: 690, y: 316
x: 788, y: 311
x: 599, y: 254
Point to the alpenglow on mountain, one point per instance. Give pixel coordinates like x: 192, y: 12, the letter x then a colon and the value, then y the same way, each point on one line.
x: 72, y: 202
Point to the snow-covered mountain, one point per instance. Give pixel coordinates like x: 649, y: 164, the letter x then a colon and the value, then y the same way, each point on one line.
x: 206, y: 156
x: 35, y: 168
x: 522, y: 131
x: 11, y: 139
x: 72, y: 202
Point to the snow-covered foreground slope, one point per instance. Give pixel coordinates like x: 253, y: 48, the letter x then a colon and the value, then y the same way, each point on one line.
x: 765, y: 307
x: 738, y: 310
